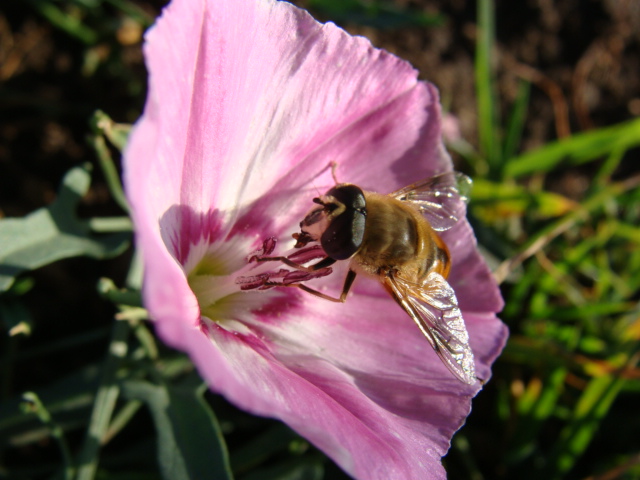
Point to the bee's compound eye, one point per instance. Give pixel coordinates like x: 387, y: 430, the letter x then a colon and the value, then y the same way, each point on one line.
x: 344, y: 235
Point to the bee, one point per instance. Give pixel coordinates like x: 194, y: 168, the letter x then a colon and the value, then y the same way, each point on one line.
x: 395, y: 238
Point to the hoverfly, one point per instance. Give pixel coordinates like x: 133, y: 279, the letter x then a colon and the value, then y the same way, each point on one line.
x: 394, y: 238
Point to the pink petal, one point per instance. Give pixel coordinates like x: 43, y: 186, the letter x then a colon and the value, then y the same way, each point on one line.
x: 249, y: 102
x: 375, y: 420
x: 357, y: 379
x: 242, y: 112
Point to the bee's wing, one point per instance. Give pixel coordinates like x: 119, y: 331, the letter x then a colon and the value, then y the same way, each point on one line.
x: 441, y: 199
x: 434, y: 307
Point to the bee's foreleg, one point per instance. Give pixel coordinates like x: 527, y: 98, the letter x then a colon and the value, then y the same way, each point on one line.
x: 348, y: 282
x: 324, y: 263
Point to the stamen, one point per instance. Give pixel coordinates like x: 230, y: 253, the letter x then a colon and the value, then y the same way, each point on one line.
x: 253, y: 282
x: 268, y: 246
x: 281, y: 277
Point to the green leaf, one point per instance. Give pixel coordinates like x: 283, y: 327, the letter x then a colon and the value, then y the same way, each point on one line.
x: 67, y: 21
x: 577, y: 149
x: 190, y: 443
x: 292, y: 469
x: 499, y: 200
x: 257, y: 450
x: 591, y: 408
x: 108, y: 290
x: 53, y: 233
x: 535, y: 406
x: 517, y: 120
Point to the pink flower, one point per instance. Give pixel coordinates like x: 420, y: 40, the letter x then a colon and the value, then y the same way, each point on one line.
x: 249, y: 102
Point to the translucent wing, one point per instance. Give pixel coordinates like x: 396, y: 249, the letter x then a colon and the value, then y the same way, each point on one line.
x: 441, y: 199
x: 434, y: 307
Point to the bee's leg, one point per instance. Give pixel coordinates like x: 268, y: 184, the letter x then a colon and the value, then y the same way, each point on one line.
x: 348, y: 282
x: 324, y: 263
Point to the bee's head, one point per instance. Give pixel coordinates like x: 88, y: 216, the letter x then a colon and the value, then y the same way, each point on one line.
x: 338, y: 222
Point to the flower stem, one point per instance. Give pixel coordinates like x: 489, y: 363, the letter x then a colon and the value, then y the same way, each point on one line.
x: 104, y: 403
x: 97, y: 141
x: 32, y: 403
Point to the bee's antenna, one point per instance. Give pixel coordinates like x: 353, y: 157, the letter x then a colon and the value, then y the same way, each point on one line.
x: 334, y: 167
x: 315, y: 187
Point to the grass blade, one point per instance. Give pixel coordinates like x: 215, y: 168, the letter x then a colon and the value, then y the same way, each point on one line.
x: 516, y: 121
x: 577, y: 149
x: 485, y: 88
x: 590, y: 410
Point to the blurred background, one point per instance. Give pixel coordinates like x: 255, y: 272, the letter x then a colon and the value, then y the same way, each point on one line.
x: 542, y: 97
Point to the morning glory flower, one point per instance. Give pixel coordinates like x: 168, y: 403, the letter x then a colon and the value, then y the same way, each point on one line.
x: 250, y: 104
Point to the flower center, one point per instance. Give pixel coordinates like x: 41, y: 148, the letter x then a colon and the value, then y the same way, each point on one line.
x: 211, y: 271
x: 219, y: 273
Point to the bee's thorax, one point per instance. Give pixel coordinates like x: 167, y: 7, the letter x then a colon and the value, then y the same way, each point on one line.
x: 398, y: 238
